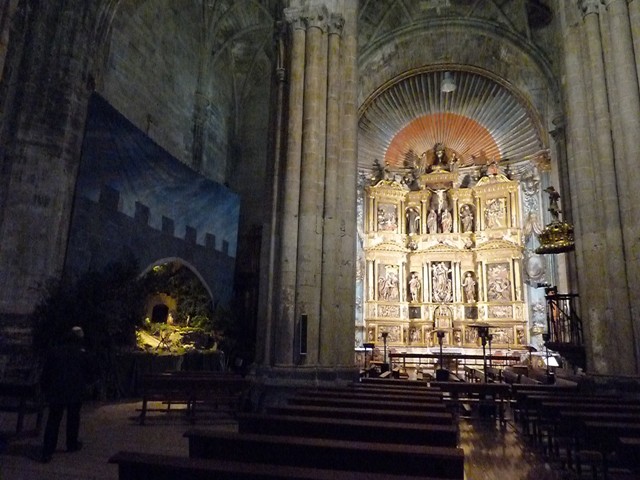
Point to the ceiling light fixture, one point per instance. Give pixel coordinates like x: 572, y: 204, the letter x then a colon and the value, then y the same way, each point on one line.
x: 448, y: 85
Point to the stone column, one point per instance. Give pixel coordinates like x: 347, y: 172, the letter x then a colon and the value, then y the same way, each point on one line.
x: 606, y: 187
x: 627, y: 171
x: 634, y: 17
x: 330, y: 248
x: 312, y: 181
x: 345, y: 286
x: 274, y: 186
x: 590, y: 249
x: 42, y: 130
x: 285, y: 299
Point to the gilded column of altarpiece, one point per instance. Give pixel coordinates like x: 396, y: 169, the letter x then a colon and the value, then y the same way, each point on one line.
x: 442, y: 257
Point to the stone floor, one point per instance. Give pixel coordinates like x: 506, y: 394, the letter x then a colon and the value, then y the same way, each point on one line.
x: 491, y: 452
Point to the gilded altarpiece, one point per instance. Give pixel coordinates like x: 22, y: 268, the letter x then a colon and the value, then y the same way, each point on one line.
x: 441, y: 257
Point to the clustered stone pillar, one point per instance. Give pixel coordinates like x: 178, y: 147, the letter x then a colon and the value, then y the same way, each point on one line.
x: 317, y: 253
x: 285, y: 276
x: 625, y: 74
x: 595, y: 168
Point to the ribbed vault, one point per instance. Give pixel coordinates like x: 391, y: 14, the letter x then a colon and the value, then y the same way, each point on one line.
x: 480, y: 120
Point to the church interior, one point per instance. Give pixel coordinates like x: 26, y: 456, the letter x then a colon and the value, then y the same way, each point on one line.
x: 353, y: 198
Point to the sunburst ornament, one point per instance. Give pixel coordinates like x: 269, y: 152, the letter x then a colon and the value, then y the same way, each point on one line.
x: 481, y: 119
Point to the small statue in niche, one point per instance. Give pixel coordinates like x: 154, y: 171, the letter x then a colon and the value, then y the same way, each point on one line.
x: 469, y: 286
x: 447, y: 221
x: 442, y: 288
x: 414, y: 287
x: 466, y: 218
x: 413, y: 221
x: 432, y: 222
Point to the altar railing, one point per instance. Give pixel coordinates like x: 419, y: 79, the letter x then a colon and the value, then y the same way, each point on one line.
x: 454, y: 362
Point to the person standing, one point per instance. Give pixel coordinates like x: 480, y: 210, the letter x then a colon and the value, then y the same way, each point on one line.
x: 67, y: 371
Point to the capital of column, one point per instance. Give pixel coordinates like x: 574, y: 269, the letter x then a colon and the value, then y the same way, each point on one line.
x: 317, y: 18
x: 590, y: 6
x: 293, y: 17
x: 336, y: 24
x: 607, y: 3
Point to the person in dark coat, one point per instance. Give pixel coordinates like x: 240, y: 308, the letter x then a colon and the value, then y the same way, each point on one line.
x: 67, y: 371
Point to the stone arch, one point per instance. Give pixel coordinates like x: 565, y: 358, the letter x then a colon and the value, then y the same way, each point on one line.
x: 191, y: 267
x: 462, y: 43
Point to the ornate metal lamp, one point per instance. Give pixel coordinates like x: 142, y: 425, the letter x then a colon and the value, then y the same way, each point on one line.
x: 384, y: 356
x: 483, y: 333
x: 557, y: 237
x: 442, y: 373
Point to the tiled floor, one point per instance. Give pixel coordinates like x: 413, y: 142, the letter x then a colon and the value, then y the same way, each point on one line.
x: 491, y: 453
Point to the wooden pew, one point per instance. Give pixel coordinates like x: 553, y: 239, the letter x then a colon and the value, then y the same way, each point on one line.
x: 546, y: 422
x: 430, y: 396
x: 543, y: 410
x: 604, y: 436
x: 489, y: 394
x: 371, y: 387
x: 523, y: 400
x: 144, y: 466
x: 473, y: 374
x: 399, y: 416
x: 410, y: 406
x: 22, y: 399
x: 348, y: 429
x: 568, y: 430
x: 381, y: 458
x: 382, y: 389
x: 629, y: 450
x: 393, y: 382
x: 192, y: 389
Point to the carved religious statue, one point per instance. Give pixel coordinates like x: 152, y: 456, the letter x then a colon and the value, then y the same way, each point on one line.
x: 414, y: 287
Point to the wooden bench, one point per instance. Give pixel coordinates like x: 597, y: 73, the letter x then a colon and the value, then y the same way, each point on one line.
x: 604, y: 436
x: 473, y: 374
x: 629, y: 449
x: 410, y: 406
x: 372, y: 387
x: 485, y: 394
x: 23, y: 399
x: 348, y: 429
x: 430, y: 395
x: 569, y: 429
x: 381, y: 458
x: 193, y: 390
x: 400, y: 416
x: 394, y: 382
x: 523, y: 399
x: 143, y: 466
x: 545, y: 418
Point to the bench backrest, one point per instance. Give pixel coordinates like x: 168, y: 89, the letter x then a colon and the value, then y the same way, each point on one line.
x: 438, y: 462
x: 435, y: 418
x: 142, y: 466
x: 349, y: 429
x: 368, y: 404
